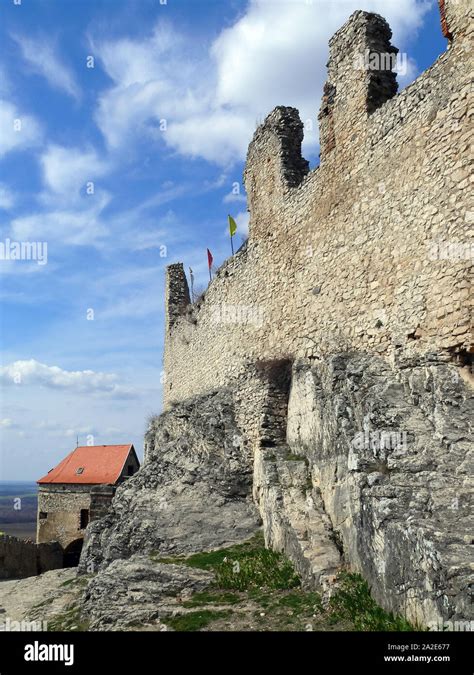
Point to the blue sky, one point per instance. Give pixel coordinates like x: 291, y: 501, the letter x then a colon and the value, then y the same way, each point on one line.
x: 130, y: 165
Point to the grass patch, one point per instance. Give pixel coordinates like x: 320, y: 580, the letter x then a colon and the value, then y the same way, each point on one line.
x: 78, y: 582
x: 210, y: 560
x: 212, y: 598
x: 68, y: 621
x: 194, y: 621
x: 258, y: 587
x: 301, y: 602
x: 261, y: 568
x: 261, y: 597
x: 352, y: 601
x: 243, y: 566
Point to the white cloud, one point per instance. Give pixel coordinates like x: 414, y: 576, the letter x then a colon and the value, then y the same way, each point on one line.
x: 6, y: 423
x: 7, y: 197
x: 233, y: 198
x: 79, y: 226
x: 59, y: 429
x: 32, y: 372
x: 275, y: 54
x: 90, y: 431
x: 17, y: 130
x: 69, y: 214
x: 42, y: 58
x: 242, y: 220
x: 67, y: 170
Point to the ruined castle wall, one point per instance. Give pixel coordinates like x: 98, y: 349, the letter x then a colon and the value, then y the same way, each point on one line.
x: 19, y: 559
x: 353, y: 255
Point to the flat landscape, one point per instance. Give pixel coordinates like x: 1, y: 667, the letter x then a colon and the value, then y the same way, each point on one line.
x: 18, y: 502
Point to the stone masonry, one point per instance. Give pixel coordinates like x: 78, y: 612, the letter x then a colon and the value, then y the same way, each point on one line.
x: 359, y: 275
x: 356, y: 253
x: 326, y: 371
x: 19, y: 558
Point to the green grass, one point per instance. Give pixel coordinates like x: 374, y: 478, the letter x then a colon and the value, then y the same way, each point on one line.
x: 68, y: 621
x: 210, y: 560
x: 77, y: 582
x: 262, y: 568
x: 301, y: 602
x: 259, y: 587
x: 352, y: 601
x: 243, y: 566
x: 193, y: 621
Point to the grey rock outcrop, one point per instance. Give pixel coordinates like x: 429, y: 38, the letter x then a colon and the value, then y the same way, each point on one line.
x: 294, y: 518
x: 138, y: 592
x: 390, y: 451
x: 192, y: 494
x: 375, y: 473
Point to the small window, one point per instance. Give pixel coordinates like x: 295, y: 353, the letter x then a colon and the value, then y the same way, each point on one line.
x: 130, y: 470
x: 43, y: 515
x: 79, y: 471
x: 84, y: 518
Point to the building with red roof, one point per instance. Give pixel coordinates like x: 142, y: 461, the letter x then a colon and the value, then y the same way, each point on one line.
x: 78, y: 490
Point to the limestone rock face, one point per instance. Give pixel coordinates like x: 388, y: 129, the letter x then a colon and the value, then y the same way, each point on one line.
x: 390, y: 450
x: 293, y: 515
x: 193, y: 492
x: 372, y: 470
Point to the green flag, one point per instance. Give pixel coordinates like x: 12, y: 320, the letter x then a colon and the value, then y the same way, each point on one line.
x: 232, y: 226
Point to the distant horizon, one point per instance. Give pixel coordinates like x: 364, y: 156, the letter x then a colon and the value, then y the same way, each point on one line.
x: 18, y: 481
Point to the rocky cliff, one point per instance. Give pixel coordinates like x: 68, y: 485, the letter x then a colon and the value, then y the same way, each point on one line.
x: 387, y: 453
x: 374, y: 474
x: 193, y: 492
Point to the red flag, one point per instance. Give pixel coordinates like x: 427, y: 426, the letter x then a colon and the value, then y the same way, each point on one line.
x: 210, y: 259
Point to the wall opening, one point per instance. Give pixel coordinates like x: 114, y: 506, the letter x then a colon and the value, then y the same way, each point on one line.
x: 276, y: 378
x: 72, y: 553
x: 84, y: 519
x: 464, y: 360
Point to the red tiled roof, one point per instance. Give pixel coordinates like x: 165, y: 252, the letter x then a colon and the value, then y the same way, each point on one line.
x: 100, y: 464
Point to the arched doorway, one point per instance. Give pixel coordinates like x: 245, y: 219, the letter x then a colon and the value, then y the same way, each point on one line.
x: 72, y: 553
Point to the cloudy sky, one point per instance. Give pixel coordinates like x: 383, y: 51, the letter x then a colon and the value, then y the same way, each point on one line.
x: 123, y: 131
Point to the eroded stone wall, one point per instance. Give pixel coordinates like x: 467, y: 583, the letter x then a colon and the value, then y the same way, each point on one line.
x: 19, y: 559
x: 371, y: 251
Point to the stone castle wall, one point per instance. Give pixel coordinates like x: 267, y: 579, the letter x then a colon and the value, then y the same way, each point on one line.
x: 19, y: 559
x: 343, y: 322
x: 370, y: 251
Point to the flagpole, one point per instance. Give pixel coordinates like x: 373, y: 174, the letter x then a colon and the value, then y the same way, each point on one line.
x: 232, y: 231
